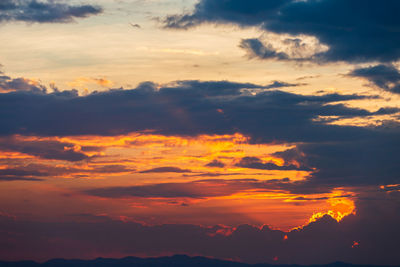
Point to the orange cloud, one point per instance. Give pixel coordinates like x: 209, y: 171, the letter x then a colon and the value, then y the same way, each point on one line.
x: 339, y: 207
x: 83, y: 82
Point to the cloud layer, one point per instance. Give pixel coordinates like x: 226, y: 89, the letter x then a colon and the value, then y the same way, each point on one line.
x: 95, y: 236
x: 184, y: 108
x: 193, y: 108
x: 34, y: 11
x: 349, y: 28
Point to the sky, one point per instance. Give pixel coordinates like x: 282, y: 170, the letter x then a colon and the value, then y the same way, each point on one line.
x: 254, y: 131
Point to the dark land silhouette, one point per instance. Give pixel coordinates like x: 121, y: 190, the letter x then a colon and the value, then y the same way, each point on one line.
x: 173, y: 261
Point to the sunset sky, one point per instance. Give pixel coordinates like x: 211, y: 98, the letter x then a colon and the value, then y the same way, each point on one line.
x: 256, y: 131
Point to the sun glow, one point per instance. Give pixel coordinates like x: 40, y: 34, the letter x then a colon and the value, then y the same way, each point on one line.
x: 339, y: 207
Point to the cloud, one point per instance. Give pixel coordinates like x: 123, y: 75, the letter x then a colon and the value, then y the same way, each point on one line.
x: 280, y: 84
x: 194, y: 108
x: 256, y: 49
x: 374, y: 228
x: 215, y: 88
x: 256, y: 163
x: 8, y: 84
x: 290, y: 50
x: 46, y: 11
x: 166, y: 169
x: 183, y: 108
x: 194, y: 189
x: 213, y: 174
x: 46, y: 149
x: 12, y: 177
x: 386, y: 77
x: 113, y: 168
x: 369, y: 161
x: 28, y: 173
x: 37, y: 171
x: 82, y: 82
x: 215, y: 163
x: 349, y: 28
x: 135, y: 25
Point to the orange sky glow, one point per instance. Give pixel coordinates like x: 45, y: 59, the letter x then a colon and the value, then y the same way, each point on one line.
x: 126, y: 161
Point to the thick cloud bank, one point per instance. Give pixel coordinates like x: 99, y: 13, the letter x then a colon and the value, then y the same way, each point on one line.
x: 354, y: 30
x: 192, y: 108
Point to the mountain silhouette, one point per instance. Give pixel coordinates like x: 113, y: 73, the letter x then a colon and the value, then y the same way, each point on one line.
x: 173, y: 261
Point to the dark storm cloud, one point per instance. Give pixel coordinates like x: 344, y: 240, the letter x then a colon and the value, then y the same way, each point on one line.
x: 328, y: 240
x: 47, y: 11
x: 353, y: 29
x: 166, y: 169
x: 256, y: 163
x: 386, y: 77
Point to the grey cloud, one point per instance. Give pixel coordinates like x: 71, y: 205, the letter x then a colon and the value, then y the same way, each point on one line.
x: 256, y: 163
x: 38, y: 172
x: 189, y: 108
x: 46, y: 11
x: 215, y: 163
x: 349, y: 27
x: 386, y: 77
x: 166, y: 169
x: 47, y: 149
x: 20, y: 84
x: 256, y: 49
x: 369, y: 161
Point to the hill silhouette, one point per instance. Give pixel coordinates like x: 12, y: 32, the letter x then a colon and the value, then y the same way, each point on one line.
x: 173, y: 261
